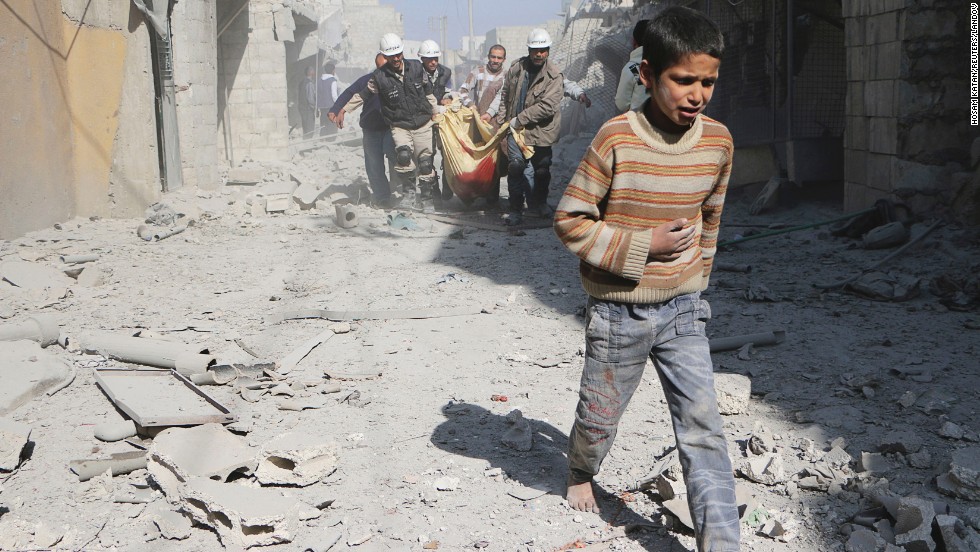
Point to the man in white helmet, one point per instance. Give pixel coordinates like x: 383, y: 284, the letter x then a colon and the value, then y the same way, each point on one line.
x: 407, y: 108
x: 529, y: 100
x: 438, y: 83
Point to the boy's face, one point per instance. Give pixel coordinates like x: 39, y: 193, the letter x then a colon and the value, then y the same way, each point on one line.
x: 681, y: 92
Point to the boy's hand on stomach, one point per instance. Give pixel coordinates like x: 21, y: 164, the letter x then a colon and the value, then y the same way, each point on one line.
x: 670, y: 240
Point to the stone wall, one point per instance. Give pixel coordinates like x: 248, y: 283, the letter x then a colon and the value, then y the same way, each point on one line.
x: 253, y: 70
x: 194, y: 30
x: 907, y: 121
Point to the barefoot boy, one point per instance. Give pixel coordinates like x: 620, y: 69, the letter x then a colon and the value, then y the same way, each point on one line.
x: 642, y: 213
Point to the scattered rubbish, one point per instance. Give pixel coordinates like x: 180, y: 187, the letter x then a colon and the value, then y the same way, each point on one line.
x: 769, y: 197
x: 147, y: 233
x: 446, y: 483
x: 186, y: 359
x: 913, y: 524
x: 766, y: 469
x: 115, y: 431
x: 732, y: 267
x: 773, y: 337
x: 27, y: 371
x: 733, y: 392
x: 549, y: 362
x: 297, y: 405
x: 346, y: 216
x: 958, y: 292
x: 760, y: 293
x: 413, y: 314
x: 745, y: 352
x: 874, y: 463
x: 160, y: 398
x: 663, y: 464
x: 118, y: 464
x: 529, y: 493
x: 289, y: 362
x: 79, y: 259
x: 240, y: 176
x: 42, y: 328
x: 881, y: 286
x: 499, y: 398
x: 679, y: 510
x: 452, y: 277
x: 208, y: 451
x: 519, y: 436
x: 307, y: 193
x: 14, y: 437
x: 401, y: 221
x: 216, y: 375
x: 888, y: 235
x: 296, y: 459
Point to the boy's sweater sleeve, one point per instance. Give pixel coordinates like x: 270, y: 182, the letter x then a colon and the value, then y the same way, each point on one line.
x: 579, y: 224
x: 711, y: 214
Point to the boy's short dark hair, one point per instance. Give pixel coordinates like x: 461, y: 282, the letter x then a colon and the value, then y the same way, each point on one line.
x: 678, y: 32
x: 330, y: 67
x: 639, y: 30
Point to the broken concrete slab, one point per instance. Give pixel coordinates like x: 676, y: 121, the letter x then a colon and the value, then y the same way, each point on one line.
x: 14, y: 437
x: 668, y: 489
x: 963, y: 478
x: 913, y: 525
x: 307, y: 194
x: 210, y: 451
x: 950, y: 430
x: 118, y: 464
x: 27, y: 275
x: 172, y: 525
x: 953, y: 534
x: 241, y: 176
x: 243, y: 517
x: 519, y: 436
x: 766, y: 469
x: 41, y: 328
x: 92, y: 276
x: 874, y: 463
x: 27, y: 371
x: 733, y: 392
x: 679, y: 510
x: 864, y: 540
x: 296, y: 459
x: 904, y: 442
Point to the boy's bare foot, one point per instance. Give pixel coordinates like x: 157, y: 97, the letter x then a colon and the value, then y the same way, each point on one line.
x: 580, y: 497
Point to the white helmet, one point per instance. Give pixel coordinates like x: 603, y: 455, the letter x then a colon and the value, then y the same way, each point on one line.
x: 539, y: 38
x: 429, y: 49
x: 391, y: 44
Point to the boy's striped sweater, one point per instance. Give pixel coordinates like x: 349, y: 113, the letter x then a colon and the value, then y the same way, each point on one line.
x: 633, y: 178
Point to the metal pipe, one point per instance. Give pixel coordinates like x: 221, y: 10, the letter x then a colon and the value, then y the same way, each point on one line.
x: 719, y: 344
x: 795, y: 228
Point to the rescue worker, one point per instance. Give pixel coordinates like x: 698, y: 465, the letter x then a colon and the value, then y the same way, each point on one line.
x: 631, y: 93
x: 408, y: 110
x: 438, y: 83
x: 326, y: 95
x: 529, y: 101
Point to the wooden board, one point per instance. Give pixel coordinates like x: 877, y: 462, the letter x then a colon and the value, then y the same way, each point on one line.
x: 160, y: 398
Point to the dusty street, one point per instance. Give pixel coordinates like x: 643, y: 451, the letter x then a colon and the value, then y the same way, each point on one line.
x: 418, y: 423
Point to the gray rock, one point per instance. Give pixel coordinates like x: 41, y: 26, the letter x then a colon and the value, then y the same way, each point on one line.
x: 913, y: 526
x: 27, y: 371
x: 905, y: 442
x: 963, y: 478
x: 14, y: 436
x: 950, y: 430
x: 921, y: 460
x: 733, y: 391
x: 864, y: 540
x: 952, y: 531
x: 972, y: 517
x: 874, y: 463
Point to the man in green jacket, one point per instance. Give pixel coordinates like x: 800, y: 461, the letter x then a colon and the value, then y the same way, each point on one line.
x: 529, y: 100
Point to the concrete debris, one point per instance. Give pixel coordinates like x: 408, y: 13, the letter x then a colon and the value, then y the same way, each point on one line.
x: 446, y: 483
x: 733, y: 392
x: 346, y: 216
x: 14, y: 437
x: 888, y: 235
x: 290, y: 361
x: 904, y: 442
x: 761, y: 442
x: 921, y: 460
x: 874, y: 463
x: 954, y: 534
x: 40, y: 328
x: 766, y: 469
x: 243, y: 517
x: 886, y: 530
x: 972, y: 517
x: 117, y: 464
x: 48, y: 537
x: 519, y: 436
x: 950, y: 430
x: 115, y: 431
x: 91, y: 277
x: 296, y: 459
x: 79, y: 259
x: 135, y: 495
x: 27, y: 371
x: 29, y: 275
x: 963, y: 478
x: 668, y: 488
x: 719, y: 344
x: 864, y: 540
x: 209, y: 450
x: 171, y: 525
x: 185, y: 358
x: 242, y: 176
x: 913, y: 525
x: 161, y: 214
x: 838, y: 457
x: 307, y: 193
x: 529, y: 493
x: 298, y: 405
x: 680, y: 511
x: 323, y: 542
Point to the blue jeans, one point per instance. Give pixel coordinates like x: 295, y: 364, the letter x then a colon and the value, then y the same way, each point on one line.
x: 619, y: 338
x: 377, y: 145
x: 518, y: 184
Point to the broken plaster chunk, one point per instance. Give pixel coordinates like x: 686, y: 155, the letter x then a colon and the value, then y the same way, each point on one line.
x: 14, y: 436
x: 296, y: 459
x: 733, y: 392
x: 172, y: 525
x: 921, y: 460
x: 447, y: 483
x: 838, y: 457
x: 668, y: 489
x: 27, y: 371
x: 340, y: 327
x: 242, y: 516
x: 115, y: 431
x: 117, y: 464
x: 864, y: 540
x: 519, y: 436
x: 905, y: 442
x: 950, y: 430
x: 913, y: 525
x: 208, y: 451
x: 952, y: 533
x: 963, y: 478
x: 766, y: 469
x: 874, y: 463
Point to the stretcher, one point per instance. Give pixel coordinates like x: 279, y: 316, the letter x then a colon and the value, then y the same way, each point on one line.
x: 471, y: 150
